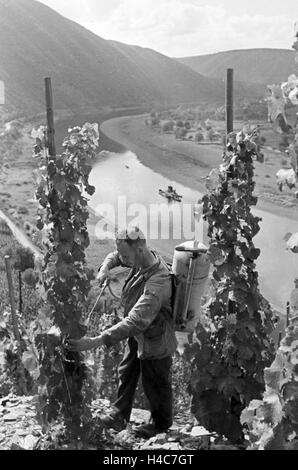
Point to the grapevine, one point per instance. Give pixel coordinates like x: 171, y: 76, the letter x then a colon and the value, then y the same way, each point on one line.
x: 273, y: 422
x: 62, y: 191
x: 229, y: 358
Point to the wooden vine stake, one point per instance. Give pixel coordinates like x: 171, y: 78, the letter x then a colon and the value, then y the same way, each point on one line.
x: 15, y: 321
x: 12, y: 300
x: 288, y: 315
x: 20, y: 293
x: 230, y: 101
x: 50, y: 117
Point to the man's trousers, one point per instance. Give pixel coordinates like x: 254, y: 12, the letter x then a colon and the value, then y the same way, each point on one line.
x: 156, y: 381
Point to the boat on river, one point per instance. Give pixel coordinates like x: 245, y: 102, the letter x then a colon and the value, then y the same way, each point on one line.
x: 170, y: 194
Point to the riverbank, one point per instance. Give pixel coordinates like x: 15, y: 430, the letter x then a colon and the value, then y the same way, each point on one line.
x: 189, y: 163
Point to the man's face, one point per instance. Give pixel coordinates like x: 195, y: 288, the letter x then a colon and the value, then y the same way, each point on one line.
x: 127, y: 254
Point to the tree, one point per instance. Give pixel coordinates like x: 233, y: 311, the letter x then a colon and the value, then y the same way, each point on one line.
x: 167, y: 126
x: 211, y: 135
x: 199, y: 136
x: 180, y: 133
x: 30, y: 277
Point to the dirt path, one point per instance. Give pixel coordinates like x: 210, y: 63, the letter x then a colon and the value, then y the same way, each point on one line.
x: 20, y: 236
x: 189, y: 163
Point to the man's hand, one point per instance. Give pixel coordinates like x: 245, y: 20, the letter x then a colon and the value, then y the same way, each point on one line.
x: 84, y: 344
x: 103, y: 275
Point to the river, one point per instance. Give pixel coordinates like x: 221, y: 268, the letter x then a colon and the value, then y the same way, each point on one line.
x: 123, y: 176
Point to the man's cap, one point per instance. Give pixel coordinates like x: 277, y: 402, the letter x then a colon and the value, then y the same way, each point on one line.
x: 130, y: 234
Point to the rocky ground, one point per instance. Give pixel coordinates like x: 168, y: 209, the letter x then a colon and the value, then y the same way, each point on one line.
x: 20, y: 430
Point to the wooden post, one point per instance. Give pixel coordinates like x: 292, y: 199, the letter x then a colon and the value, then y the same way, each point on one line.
x: 16, y: 332
x: 50, y: 117
x: 230, y: 101
x: 12, y: 300
x: 288, y: 314
x: 20, y: 293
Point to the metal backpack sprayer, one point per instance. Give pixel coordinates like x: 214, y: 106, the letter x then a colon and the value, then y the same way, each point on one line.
x: 191, y: 265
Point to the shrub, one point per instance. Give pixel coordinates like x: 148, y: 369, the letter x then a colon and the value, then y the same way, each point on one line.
x: 22, y: 258
x: 30, y: 277
x: 180, y: 133
x: 155, y: 122
x: 23, y: 210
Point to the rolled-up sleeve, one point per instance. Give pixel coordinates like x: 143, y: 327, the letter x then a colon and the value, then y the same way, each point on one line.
x: 112, y: 261
x: 139, y: 318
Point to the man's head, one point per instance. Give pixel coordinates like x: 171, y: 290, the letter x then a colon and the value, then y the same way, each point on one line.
x: 131, y: 246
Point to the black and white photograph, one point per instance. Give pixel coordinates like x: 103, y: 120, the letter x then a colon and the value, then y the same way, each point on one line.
x: 148, y: 228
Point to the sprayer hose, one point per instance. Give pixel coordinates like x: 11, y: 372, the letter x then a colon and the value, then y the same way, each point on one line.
x: 112, y: 293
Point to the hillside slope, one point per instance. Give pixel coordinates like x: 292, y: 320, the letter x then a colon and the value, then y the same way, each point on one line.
x: 86, y: 70
x: 149, y: 61
x: 264, y: 66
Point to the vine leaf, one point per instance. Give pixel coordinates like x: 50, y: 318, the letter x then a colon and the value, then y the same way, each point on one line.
x: 30, y: 362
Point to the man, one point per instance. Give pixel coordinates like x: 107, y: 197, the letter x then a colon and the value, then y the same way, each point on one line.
x: 148, y: 326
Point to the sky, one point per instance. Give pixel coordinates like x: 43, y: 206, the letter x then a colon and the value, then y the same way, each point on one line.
x: 180, y: 28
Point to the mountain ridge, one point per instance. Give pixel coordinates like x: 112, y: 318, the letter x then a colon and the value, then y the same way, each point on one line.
x: 87, y: 70
x: 256, y: 65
